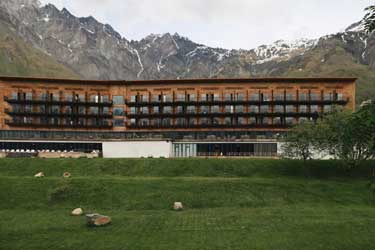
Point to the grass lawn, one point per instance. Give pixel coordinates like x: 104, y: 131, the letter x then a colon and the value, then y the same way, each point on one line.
x: 230, y: 204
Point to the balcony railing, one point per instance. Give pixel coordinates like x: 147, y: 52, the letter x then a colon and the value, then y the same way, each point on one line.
x: 224, y: 114
x: 65, y: 114
x: 43, y: 125
x: 244, y: 102
x: 58, y: 103
x: 203, y: 126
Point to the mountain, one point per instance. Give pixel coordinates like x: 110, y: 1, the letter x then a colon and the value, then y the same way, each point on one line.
x: 93, y: 50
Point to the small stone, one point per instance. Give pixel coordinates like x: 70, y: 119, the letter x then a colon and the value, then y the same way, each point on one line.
x: 77, y: 212
x: 39, y: 175
x: 177, y: 206
x: 67, y: 175
x: 97, y: 220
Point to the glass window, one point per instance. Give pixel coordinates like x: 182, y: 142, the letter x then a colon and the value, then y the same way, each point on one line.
x: 277, y: 120
x: 180, y: 97
x: 144, y: 122
x: 179, y: 109
x: 118, y: 100
x: 314, y: 108
x: 144, y: 98
x: 94, y: 98
x: 192, y: 121
x: 303, y: 119
x: 55, y: 97
x: 15, y: 96
x: 156, y: 110
x: 118, y: 111
x: 279, y: 97
x: 105, y: 110
x: 289, y: 97
x: 81, y: 110
x: 227, y: 97
x: 133, y: 121
x: 133, y: 110
x: 94, y: 110
x: 314, y: 97
x: 29, y: 96
x: 264, y: 108
x: 69, y: 97
x: 289, y: 120
x: 203, y: 121
x: 191, y: 109
x: 228, y: 121
x: 327, y: 108
x: 254, y: 109
x: 216, y: 97
x: 303, y: 109
x: 340, y: 97
x: 118, y: 122
x: 279, y: 109
x: 181, y: 121
x: 192, y: 97
x: 240, y: 97
x: 166, y: 122
x: 241, y: 120
x: 55, y: 109
x: 289, y: 108
x: 204, y: 97
x: 28, y: 108
x: 302, y: 96
x: 215, y: 109
x: 328, y: 97
x: 266, y: 97
x: 254, y: 97
x: 156, y: 98
x: 156, y: 122
x: 144, y: 110
x: 167, y: 98
x: 133, y: 98
x: 229, y: 109
x: 167, y: 110
x: 204, y: 109
x: 105, y: 98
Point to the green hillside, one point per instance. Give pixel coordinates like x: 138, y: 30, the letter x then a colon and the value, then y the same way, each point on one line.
x: 230, y: 204
x: 20, y: 59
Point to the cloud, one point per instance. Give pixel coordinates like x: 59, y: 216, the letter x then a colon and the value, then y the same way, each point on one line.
x: 222, y: 23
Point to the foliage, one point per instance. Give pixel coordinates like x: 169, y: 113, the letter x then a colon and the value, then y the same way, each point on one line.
x: 369, y: 19
x: 299, y: 141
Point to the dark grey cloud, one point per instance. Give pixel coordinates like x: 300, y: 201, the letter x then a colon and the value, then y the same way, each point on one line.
x: 223, y: 23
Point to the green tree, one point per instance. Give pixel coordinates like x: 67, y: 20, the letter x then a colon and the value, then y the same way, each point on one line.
x: 299, y: 141
x: 349, y: 136
x: 369, y: 19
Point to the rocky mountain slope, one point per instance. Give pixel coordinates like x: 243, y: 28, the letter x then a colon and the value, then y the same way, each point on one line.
x: 96, y: 51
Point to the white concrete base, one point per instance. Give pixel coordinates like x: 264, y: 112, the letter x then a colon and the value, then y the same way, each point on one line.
x: 137, y: 149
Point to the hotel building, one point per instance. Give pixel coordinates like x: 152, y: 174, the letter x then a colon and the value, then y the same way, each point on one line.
x: 163, y: 118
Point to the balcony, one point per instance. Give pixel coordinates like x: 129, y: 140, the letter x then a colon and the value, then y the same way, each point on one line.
x: 40, y: 125
x: 251, y: 114
x: 210, y: 126
x: 45, y: 114
x: 58, y: 103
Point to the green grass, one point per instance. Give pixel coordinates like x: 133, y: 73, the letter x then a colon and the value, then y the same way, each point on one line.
x: 230, y: 204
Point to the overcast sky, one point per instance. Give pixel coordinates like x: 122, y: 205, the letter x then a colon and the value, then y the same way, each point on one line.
x: 222, y: 23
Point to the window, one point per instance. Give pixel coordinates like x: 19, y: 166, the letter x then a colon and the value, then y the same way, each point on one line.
x: 105, y: 110
x: 28, y: 108
x: 240, y: 97
x: 156, y: 110
x: 133, y: 98
x: 279, y: 109
x: 254, y: 97
x: 289, y: 97
x: 240, y: 109
x: 94, y: 98
x: 302, y: 97
x: 216, y: 97
x: 180, y: 97
x: 227, y: 97
x: 277, y: 120
x: 156, y: 122
x: 289, y: 108
x: 69, y: 97
x: 118, y: 122
x: 55, y: 97
x: 228, y: 121
x: 15, y: 96
x: 303, y: 109
x: 252, y: 120
x: 328, y: 97
x: 94, y: 110
x: 192, y: 97
x: 203, y: 121
x: 327, y: 108
x: 144, y: 122
x: 105, y: 99
x: 167, y: 110
x: 181, y: 121
x: 303, y: 119
x: 133, y: 121
x: 340, y: 97
x: 144, y: 110
x: 254, y: 109
x: 82, y: 110
x: 118, y: 100
x: 229, y: 109
x: 264, y: 109
x: 215, y: 109
x: 42, y: 109
x: 289, y: 120
x: 204, y: 97
x: 216, y: 121
x: 166, y: 122
x: 314, y: 97
x: 179, y: 109
x: 144, y: 98
x: 118, y: 111
x: 133, y: 110
x: 167, y: 98
x: 279, y: 97
x: 190, y: 109
x: 265, y: 97
x: 241, y: 120
x: 204, y: 109
x: 156, y: 98
x: 314, y: 108
x: 192, y: 121
x: 29, y: 96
